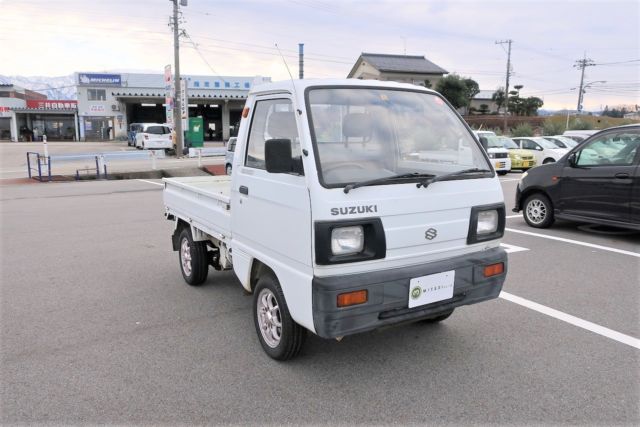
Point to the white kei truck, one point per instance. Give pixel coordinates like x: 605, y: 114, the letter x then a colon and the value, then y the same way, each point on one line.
x: 353, y: 205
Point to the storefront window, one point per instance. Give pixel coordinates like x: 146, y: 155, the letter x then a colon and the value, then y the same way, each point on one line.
x: 96, y: 94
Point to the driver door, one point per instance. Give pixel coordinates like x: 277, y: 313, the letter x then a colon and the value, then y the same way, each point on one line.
x: 600, y: 184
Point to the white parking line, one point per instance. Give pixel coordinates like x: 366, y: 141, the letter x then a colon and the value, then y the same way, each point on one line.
x: 513, y: 216
x: 576, y: 321
x: 151, y: 182
x: 510, y: 179
x: 512, y: 248
x: 576, y: 242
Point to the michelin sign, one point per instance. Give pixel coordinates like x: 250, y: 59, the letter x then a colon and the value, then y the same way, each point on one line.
x: 99, y: 79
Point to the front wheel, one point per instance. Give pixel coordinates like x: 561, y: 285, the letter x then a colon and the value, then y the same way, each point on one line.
x: 280, y: 336
x: 228, y: 169
x: 503, y: 172
x: 547, y: 161
x: 194, y: 263
x: 538, y: 211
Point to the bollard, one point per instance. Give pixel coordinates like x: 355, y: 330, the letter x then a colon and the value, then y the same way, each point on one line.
x: 44, y: 143
x: 199, y: 157
x: 101, y: 164
x: 153, y: 159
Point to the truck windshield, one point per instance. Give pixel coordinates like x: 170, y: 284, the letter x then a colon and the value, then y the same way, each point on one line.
x: 364, y: 134
x: 501, y: 142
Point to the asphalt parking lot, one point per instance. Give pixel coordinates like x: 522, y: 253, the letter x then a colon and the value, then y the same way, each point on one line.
x: 98, y: 326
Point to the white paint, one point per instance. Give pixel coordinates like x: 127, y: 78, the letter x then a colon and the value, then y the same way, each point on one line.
x: 510, y: 179
x: 576, y: 242
x: 575, y: 321
x: 513, y: 248
x: 513, y: 216
x: 151, y: 182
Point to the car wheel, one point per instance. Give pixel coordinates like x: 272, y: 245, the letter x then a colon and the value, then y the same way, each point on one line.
x: 439, y: 318
x: 228, y: 170
x: 280, y: 337
x: 549, y: 160
x: 194, y: 262
x: 503, y: 172
x: 538, y: 211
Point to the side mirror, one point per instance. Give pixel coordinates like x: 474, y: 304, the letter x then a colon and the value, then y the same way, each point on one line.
x: 277, y: 156
x: 572, y: 159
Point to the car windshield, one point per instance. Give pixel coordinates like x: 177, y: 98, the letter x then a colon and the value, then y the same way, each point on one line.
x: 546, y: 143
x: 500, y: 142
x: 363, y: 134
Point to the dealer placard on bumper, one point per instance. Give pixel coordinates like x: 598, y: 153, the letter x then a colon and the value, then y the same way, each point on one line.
x: 432, y: 288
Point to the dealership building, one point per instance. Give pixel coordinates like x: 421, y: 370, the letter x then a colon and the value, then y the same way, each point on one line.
x: 108, y: 103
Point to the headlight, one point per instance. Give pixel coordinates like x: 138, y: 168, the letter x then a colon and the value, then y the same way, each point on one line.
x: 347, y: 240
x: 487, y: 222
x: 516, y: 156
x: 492, y: 155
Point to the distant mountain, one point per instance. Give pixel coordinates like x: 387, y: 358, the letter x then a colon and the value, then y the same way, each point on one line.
x: 62, y: 87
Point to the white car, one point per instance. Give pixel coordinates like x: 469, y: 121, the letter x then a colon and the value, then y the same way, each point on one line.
x: 499, y: 155
x: 562, y: 141
x: 154, y: 136
x: 544, y: 150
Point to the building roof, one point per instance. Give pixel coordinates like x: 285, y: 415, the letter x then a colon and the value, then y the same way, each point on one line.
x: 399, y: 64
x: 484, y: 94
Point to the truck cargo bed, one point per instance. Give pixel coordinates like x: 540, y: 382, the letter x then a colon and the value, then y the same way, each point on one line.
x: 203, y: 201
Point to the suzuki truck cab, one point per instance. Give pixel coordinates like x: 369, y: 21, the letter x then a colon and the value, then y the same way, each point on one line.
x: 353, y: 205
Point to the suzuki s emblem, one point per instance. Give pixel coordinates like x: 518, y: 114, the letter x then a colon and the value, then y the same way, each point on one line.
x: 431, y: 234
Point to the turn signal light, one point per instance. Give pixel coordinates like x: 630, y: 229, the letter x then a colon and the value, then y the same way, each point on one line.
x: 352, y: 298
x: 493, y: 269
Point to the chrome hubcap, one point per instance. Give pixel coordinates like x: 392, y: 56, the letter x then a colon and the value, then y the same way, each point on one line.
x: 536, y: 211
x: 269, y: 319
x: 185, y: 256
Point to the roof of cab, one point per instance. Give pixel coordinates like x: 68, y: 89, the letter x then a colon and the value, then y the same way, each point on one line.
x: 301, y: 85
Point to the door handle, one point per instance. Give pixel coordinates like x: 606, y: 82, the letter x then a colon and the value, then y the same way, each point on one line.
x: 622, y: 175
x: 244, y: 190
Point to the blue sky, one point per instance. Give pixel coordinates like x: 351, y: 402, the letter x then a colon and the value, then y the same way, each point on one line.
x: 42, y: 37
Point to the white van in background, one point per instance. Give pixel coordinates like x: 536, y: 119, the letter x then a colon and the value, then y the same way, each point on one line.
x: 154, y: 136
x: 498, y: 154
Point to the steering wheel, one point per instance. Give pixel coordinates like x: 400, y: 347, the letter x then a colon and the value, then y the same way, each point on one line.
x: 343, y: 165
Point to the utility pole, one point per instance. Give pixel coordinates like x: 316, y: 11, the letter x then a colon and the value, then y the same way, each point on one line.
x: 177, y: 112
x: 506, y: 87
x: 301, y: 61
x: 582, y: 64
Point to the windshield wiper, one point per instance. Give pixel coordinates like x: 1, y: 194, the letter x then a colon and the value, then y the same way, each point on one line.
x: 386, y: 178
x: 426, y: 182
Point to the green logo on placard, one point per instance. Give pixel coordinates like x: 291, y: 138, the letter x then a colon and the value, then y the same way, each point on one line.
x: 416, y: 292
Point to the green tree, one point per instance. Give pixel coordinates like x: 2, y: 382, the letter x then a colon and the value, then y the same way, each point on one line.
x: 552, y: 127
x: 472, y: 89
x: 457, y: 89
x: 427, y: 83
x: 498, y: 97
x: 523, y: 129
x: 531, y: 105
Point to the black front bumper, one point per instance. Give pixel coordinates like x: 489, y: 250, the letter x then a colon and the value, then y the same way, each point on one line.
x: 388, y: 293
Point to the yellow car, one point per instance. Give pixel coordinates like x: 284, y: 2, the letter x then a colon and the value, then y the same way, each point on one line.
x: 520, y: 159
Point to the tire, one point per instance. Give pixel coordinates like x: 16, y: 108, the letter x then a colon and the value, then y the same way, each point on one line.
x: 503, y: 172
x: 193, y: 259
x: 440, y: 317
x: 538, y: 211
x: 228, y: 170
x: 270, y: 308
x: 548, y: 160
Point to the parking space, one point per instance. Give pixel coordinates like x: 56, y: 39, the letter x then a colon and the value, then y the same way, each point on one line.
x: 98, y: 326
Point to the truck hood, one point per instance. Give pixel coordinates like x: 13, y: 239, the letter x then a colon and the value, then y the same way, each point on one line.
x: 407, y: 213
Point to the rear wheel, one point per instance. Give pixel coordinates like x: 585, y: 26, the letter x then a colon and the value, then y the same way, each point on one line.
x: 228, y: 169
x: 538, y: 211
x: 194, y: 262
x: 548, y: 160
x: 280, y: 336
x: 503, y: 172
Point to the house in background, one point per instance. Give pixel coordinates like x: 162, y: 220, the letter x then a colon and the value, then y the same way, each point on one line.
x: 400, y: 68
x: 484, y: 97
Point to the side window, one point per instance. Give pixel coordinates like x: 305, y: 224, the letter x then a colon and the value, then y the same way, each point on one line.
x: 612, y: 149
x: 272, y: 119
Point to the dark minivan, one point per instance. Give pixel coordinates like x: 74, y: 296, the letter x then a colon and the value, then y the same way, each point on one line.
x: 596, y: 182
